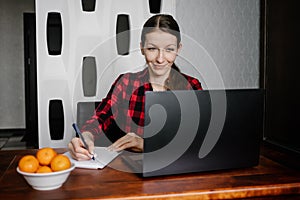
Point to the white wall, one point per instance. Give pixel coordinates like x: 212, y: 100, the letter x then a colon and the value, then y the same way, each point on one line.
x: 221, y: 36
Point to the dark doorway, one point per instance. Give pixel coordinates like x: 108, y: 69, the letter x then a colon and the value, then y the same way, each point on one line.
x: 31, y: 135
x: 281, y: 76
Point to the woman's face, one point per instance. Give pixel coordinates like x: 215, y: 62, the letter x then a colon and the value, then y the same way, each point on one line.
x: 160, y: 51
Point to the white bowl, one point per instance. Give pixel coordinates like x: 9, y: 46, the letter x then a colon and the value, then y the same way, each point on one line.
x: 47, y: 181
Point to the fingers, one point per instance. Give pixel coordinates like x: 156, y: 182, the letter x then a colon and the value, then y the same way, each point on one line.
x: 91, y: 147
x: 77, y: 150
x: 129, y: 141
x: 89, y: 139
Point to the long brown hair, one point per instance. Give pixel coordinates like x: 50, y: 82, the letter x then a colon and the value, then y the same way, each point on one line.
x: 168, y: 24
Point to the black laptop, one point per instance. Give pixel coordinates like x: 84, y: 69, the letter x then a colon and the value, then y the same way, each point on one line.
x: 194, y: 131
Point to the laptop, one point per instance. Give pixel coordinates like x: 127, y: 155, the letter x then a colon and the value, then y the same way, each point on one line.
x: 191, y: 131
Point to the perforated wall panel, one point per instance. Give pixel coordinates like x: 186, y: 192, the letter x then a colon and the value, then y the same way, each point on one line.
x: 88, y: 30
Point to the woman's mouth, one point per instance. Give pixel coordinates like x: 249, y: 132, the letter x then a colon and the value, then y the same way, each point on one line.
x: 159, y: 66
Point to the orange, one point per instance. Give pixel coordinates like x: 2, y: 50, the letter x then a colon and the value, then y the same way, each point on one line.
x: 44, y: 169
x: 28, y: 163
x: 60, y: 162
x: 45, y: 155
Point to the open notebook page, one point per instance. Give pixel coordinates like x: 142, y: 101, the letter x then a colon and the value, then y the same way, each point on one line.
x: 103, y: 158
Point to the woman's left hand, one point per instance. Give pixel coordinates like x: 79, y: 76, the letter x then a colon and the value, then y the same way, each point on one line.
x: 130, y: 141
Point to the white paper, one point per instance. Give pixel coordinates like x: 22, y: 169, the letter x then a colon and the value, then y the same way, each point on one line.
x: 102, y: 155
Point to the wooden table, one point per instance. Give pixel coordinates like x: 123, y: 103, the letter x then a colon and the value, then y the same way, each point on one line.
x: 269, y: 180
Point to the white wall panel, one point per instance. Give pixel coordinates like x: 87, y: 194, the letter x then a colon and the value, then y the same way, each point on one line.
x: 84, y: 34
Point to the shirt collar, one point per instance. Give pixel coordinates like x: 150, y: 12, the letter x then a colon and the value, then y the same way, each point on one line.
x: 144, y: 75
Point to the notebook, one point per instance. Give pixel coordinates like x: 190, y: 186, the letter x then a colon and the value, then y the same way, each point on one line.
x: 103, y: 158
x: 196, y: 131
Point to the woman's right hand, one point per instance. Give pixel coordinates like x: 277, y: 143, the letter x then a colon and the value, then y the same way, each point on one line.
x: 77, y: 149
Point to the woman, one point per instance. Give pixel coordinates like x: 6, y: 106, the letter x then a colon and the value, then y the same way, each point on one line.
x: 123, y: 106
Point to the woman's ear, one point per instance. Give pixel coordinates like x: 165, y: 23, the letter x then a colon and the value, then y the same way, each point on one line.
x: 142, y: 49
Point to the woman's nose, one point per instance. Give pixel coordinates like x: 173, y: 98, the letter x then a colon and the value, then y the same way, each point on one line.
x: 160, y: 57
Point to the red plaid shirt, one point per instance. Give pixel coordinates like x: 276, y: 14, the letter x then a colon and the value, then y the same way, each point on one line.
x: 124, y: 104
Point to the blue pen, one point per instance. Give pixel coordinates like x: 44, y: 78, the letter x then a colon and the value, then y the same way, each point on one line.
x: 81, y: 137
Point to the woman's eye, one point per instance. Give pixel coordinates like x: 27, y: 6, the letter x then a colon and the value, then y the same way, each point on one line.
x: 151, y: 49
x: 170, y: 49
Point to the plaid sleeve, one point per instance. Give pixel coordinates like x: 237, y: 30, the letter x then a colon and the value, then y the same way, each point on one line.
x: 196, y: 85
x: 104, y: 114
x: 193, y: 83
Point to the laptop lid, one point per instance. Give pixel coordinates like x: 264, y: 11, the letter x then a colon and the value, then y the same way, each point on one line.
x: 193, y: 131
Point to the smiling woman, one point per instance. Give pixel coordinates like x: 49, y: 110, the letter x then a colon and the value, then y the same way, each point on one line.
x: 160, y: 51
x: 124, y: 104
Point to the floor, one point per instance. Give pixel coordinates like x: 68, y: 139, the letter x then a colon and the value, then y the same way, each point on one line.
x: 12, y: 140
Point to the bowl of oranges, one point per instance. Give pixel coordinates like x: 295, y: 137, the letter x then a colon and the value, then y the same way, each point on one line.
x: 47, y: 170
